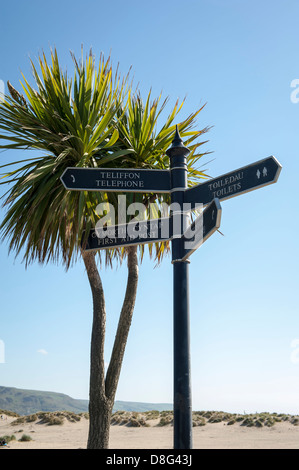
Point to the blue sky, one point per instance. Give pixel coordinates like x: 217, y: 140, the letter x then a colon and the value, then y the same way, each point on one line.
x: 238, y: 57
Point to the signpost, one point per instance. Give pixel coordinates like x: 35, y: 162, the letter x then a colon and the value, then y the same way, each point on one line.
x: 245, y: 179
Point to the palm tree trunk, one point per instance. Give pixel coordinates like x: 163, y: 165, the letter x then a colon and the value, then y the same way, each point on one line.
x: 102, y: 390
x: 98, y: 406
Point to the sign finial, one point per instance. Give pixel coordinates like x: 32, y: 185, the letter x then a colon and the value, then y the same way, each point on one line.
x: 177, y: 147
x: 177, y: 140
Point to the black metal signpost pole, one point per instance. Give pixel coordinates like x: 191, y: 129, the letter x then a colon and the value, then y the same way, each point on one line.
x: 182, y: 405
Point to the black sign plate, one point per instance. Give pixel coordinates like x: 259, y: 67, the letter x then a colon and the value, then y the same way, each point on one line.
x: 116, y: 179
x: 236, y: 182
x: 133, y: 233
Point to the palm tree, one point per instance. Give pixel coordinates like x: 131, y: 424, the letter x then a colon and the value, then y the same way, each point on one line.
x: 93, y: 120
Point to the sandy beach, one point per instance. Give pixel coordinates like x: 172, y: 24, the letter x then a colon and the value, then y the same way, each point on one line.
x: 73, y: 435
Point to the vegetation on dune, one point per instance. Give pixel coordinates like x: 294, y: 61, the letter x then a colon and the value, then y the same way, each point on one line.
x: 201, y: 418
x: 53, y: 418
x: 9, y: 413
x: 160, y: 418
x: 7, y: 438
x: 25, y: 438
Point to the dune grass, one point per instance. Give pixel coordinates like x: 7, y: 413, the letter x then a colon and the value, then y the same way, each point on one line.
x: 162, y: 418
x: 7, y: 438
x: 201, y: 418
x: 52, y: 418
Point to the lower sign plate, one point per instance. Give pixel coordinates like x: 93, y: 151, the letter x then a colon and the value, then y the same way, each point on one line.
x: 133, y: 233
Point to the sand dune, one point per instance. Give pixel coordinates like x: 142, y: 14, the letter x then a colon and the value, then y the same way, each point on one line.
x: 73, y: 435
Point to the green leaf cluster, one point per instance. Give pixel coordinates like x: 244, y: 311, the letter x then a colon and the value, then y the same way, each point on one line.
x: 92, y: 119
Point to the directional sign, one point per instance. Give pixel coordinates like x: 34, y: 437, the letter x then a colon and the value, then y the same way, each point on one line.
x: 133, y: 233
x: 236, y: 182
x: 202, y: 228
x: 157, y: 230
x: 116, y: 179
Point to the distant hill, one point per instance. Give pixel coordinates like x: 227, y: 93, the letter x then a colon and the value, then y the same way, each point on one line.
x: 26, y: 402
x: 137, y: 406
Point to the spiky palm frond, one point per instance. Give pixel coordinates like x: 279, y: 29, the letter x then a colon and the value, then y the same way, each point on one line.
x: 91, y: 120
x: 139, y: 132
x: 71, y: 123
